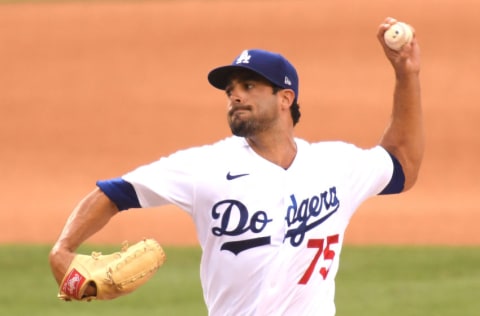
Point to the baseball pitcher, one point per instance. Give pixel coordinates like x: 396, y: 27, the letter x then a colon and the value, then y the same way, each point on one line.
x: 270, y: 209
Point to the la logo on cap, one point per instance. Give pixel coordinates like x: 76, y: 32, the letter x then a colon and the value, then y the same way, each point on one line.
x: 244, y: 58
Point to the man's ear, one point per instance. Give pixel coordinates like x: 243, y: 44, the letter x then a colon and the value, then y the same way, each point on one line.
x: 287, y: 96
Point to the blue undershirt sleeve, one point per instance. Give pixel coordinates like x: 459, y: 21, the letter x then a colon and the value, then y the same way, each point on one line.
x: 397, y: 182
x: 120, y: 192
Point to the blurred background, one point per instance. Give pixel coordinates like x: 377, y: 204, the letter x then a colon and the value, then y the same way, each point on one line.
x: 91, y: 89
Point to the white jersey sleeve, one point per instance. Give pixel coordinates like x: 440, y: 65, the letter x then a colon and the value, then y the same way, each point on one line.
x: 186, y: 177
x: 170, y: 180
x: 366, y: 172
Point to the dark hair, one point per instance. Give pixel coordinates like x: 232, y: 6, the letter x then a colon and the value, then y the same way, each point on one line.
x: 294, y: 108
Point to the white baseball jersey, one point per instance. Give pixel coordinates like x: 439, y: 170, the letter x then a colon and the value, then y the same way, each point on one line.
x: 271, y: 238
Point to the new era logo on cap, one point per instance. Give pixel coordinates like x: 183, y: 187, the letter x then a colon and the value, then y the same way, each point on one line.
x: 287, y: 81
x: 272, y: 66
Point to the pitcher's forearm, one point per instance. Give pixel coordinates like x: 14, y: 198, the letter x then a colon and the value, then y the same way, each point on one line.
x: 90, y: 215
x: 404, y: 136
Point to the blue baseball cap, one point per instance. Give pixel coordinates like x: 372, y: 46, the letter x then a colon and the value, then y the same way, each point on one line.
x: 272, y: 66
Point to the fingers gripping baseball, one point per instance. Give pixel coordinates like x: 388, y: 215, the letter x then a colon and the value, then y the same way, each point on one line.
x: 394, y: 34
x: 105, y: 277
x: 399, y: 43
x: 398, y: 35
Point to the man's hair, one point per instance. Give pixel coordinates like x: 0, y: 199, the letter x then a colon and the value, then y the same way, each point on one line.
x: 294, y: 108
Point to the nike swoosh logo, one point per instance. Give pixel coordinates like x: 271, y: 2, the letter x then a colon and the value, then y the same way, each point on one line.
x: 235, y: 176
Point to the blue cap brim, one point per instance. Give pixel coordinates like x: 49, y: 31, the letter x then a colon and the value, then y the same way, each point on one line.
x: 219, y: 77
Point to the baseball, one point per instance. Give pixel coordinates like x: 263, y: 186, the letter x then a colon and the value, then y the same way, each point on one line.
x: 398, y: 35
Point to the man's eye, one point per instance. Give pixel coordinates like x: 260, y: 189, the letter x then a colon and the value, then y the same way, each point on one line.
x: 249, y: 86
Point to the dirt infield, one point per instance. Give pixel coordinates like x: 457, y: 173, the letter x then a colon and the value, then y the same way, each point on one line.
x: 91, y: 90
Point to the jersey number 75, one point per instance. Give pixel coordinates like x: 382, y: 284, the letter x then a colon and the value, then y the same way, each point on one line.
x: 328, y: 256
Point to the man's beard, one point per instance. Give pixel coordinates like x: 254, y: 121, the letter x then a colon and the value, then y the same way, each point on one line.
x: 243, y: 128
x: 248, y: 126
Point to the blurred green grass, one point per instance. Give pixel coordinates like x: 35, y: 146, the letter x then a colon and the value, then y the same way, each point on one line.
x: 373, y: 280
x: 409, y: 281
x: 29, y: 288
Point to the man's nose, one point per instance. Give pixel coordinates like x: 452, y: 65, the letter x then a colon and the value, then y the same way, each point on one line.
x: 236, y: 94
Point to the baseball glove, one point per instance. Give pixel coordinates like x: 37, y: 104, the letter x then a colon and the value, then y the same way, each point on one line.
x: 112, y: 275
